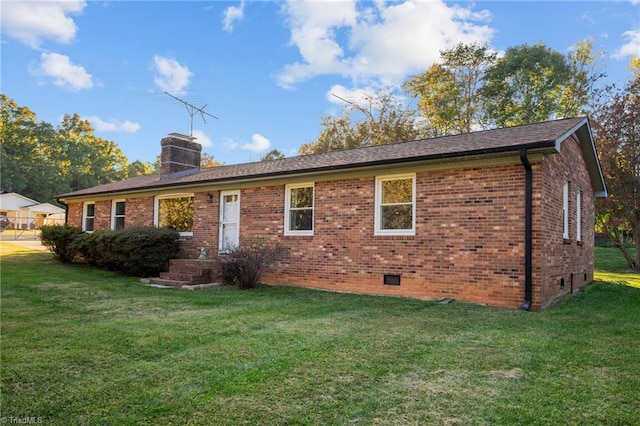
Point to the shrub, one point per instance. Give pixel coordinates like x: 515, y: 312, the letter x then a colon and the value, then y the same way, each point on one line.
x: 133, y: 251
x: 244, y: 264
x: 86, y: 245
x: 142, y: 251
x: 61, y: 241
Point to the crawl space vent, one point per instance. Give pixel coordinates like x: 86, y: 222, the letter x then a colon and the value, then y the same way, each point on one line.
x: 390, y: 279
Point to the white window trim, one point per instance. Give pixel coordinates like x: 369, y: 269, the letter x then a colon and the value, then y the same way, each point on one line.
x: 287, y: 207
x: 156, y: 209
x: 565, y: 210
x: 113, y: 211
x: 578, y: 216
x: 84, y: 215
x: 378, y: 199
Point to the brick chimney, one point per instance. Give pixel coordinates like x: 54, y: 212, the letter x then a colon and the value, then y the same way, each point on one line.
x: 179, y: 154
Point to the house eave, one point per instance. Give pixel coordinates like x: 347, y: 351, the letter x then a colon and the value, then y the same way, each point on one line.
x: 583, y: 132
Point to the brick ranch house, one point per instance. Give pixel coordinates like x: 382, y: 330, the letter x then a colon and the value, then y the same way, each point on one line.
x: 502, y: 217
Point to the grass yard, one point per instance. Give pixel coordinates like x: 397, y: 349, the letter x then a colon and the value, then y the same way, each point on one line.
x: 84, y: 346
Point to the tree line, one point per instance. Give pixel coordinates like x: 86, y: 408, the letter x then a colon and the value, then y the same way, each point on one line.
x: 471, y: 88
x: 39, y: 160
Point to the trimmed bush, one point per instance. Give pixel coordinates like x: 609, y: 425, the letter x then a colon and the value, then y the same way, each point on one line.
x: 86, y: 245
x: 138, y: 251
x: 244, y: 264
x: 61, y: 241
x: 132, y: 251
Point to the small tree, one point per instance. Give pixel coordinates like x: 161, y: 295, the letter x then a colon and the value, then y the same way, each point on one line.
x: 617, y: 129
x: 274, y: 154
x: 383, y: 119
x: 246, y: 262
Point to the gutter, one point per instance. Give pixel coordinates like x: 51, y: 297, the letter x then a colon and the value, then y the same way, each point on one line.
x: 66, y: 210
x: 528, y: 234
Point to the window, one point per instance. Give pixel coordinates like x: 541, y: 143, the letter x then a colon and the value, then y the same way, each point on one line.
x: 565, y: 211
x: 298, y: 211
x: 117, y: 214
x: 89, y: 214
x: 175, y: 211
x: 395, y: 209
x: 578, y: 215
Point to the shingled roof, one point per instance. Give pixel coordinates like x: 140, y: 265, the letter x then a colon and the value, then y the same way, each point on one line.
x: 532, y: 136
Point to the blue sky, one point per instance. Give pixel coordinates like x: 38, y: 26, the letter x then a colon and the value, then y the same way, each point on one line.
x: 265, y: 69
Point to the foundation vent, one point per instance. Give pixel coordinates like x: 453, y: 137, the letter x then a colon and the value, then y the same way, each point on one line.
x: 390, y: 279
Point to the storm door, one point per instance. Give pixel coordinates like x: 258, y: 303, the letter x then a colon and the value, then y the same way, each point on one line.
x: 229, y: 220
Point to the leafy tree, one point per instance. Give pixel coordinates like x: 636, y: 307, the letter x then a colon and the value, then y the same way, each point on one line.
x: 448, y: 93
x: 25, y: 153
x: 384, y: 119
x: 617, y: 130
x: 139, y: 168
x: 634, y: 65
x: 208, y: 160
x: 580, y: 89
x: 92, y: 160
x: 39, y: 161
x: 274, y: 154
x: 525, y: 86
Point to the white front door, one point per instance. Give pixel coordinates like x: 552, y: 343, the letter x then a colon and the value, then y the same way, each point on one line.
x: 229, y: 220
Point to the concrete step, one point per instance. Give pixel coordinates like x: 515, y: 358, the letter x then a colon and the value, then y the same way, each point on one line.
x: 168, y: 283
x: 199, y: 279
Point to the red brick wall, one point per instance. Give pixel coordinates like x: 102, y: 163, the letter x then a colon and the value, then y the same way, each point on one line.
x: 102, y: 220
x: 74, y: 214
x: 469, y: 241
x: 554, y: 257
x: 138, y: 212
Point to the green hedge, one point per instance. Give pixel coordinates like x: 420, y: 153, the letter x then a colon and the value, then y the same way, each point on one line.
x: 142, y: 251
x: 61, y: 241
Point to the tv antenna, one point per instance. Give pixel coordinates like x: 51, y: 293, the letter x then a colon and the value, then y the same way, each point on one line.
x: 192, y: 110
x: 342, y: 99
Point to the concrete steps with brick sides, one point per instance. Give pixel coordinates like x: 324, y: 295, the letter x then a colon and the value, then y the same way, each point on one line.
x: 189, y: 272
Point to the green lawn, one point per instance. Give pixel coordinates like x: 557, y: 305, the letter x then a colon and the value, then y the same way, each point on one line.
x: 611, y: 267
x: 84, y: 346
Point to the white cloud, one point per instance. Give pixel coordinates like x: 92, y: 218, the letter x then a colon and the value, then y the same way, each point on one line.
x: 380, y: 41
x: 112, y: 125
x: 64, y: 73
x: 258, y: 144
x: 171, y: 76
x: 630, y: 48
x: 231, y: 15
x: 202, y: 138
x: 32, y: 22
